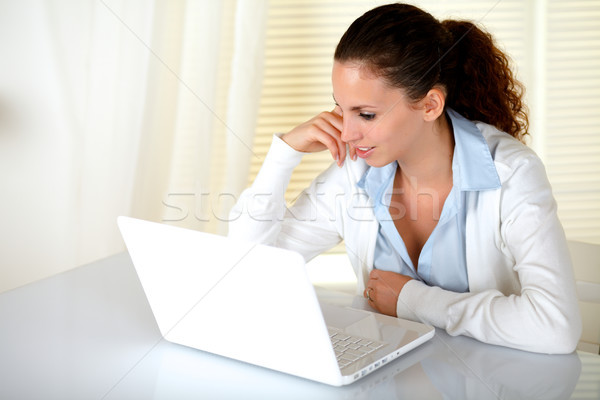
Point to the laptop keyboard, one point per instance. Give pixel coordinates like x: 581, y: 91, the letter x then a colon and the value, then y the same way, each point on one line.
x: 350, y: 348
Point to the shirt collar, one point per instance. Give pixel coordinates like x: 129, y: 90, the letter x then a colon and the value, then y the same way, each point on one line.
x: 472, y: 164
x: 376, y: 180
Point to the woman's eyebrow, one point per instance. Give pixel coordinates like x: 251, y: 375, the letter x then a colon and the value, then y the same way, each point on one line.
x: 355, y: 108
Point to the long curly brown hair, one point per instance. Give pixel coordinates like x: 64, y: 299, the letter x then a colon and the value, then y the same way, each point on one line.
x: 412, y: 50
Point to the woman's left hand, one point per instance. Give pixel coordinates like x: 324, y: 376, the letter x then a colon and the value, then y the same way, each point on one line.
x: 383, y: 289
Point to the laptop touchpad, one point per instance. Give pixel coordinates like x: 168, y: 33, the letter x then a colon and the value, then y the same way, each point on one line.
x: 341, y: 317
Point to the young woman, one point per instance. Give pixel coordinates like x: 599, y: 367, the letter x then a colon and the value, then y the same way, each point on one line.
x: 448, y: 218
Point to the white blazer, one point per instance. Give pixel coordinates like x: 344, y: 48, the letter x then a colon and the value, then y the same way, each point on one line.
x: 522, y: 290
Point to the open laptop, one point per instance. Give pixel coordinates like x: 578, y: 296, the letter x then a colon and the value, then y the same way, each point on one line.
x: 255, y: 303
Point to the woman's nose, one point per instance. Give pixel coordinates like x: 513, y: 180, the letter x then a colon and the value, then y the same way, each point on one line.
x: 350, y: 132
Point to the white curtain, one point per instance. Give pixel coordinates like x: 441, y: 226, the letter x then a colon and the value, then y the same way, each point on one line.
x: 98, y: 102
x: 217, y: 107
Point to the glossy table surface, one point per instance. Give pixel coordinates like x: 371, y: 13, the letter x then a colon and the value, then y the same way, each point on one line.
x: 89, y: 334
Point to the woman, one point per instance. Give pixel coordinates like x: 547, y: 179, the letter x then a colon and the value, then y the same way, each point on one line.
x: 448, y: 218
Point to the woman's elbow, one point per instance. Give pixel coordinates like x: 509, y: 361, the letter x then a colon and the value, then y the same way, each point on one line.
x: 562, y: 338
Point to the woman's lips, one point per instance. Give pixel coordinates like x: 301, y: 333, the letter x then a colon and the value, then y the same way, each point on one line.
x: 364, y: 152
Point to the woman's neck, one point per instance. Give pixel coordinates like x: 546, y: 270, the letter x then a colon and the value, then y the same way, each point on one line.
x: 430, y: 164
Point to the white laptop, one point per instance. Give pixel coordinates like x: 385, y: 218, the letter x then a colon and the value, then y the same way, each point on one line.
x: 256, y: 304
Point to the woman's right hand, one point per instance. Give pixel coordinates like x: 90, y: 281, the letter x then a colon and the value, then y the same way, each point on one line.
x: 322, y: 132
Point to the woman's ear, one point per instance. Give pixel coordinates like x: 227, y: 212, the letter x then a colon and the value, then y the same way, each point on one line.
x: 433, y: 104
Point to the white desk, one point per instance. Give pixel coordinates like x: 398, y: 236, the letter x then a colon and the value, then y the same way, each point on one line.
x: 89, y: 334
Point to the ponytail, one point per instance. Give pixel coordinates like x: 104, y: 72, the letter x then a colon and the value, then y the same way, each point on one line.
x: 412, y: 50
x: 480, y: 83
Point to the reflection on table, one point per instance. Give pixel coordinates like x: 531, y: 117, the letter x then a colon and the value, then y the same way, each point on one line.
x: 89, y: 333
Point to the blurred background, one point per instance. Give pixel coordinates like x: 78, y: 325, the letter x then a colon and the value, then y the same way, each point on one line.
x: 164, y: 110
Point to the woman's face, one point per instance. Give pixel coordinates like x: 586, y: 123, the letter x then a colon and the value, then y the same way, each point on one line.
x: 378, y: 121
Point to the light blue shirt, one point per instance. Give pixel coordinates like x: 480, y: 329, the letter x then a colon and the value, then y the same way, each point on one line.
x: 442, y: 260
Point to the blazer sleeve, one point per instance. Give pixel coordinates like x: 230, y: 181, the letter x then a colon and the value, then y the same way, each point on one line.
x: 261, y: 214
x: 542, y: 314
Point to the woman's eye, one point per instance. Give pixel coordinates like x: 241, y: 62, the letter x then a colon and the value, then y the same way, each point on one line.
x: 367, y: 116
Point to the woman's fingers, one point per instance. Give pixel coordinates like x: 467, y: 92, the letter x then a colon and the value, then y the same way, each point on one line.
x: 385, y: 289
x: 339, y: 124
x: 331, y: 125
x: 319, y: 133
x: 352, y: 152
